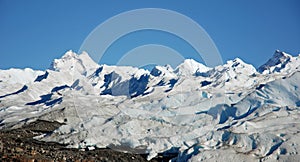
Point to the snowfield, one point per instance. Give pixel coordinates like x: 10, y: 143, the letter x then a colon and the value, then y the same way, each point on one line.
x: 231, y: 112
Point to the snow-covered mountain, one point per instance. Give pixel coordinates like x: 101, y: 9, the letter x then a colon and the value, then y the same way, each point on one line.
x: 229, y: 112
x: 281, y: 62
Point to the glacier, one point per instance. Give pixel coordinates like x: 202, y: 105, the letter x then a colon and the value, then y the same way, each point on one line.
x: 229, y: 112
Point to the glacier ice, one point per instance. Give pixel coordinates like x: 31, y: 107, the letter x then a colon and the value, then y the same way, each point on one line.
x: 229, y: 112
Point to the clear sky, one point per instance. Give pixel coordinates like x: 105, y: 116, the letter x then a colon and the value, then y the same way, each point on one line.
x: 34, y: 32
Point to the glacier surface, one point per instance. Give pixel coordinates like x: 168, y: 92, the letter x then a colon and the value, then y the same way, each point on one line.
x: 229, y: 112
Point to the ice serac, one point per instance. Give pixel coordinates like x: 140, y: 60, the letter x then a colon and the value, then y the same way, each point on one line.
x: 227, y: 113
x: 281, y: 62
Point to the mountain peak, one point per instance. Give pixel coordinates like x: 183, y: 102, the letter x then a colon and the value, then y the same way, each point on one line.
x: 276, y: 63
x: 69, y: 54
x: 235, y: 62
x: 238, y: 60
x: 190, y: 67
x: 72, y: 61
x: 280, y: 54
x: 166, y: 70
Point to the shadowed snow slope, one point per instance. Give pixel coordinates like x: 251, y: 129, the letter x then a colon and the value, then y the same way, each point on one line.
x: 229, y: 112
x: 279, y: 63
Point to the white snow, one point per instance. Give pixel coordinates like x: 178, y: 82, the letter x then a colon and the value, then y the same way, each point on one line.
x: 12, y: 80
x: 190, y: 66
x: 227, y: 113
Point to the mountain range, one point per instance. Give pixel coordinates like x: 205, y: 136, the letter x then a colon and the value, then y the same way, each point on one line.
x: 229, y: 112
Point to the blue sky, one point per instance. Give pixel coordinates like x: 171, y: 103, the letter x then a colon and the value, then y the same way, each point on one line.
x: 33, y: 32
